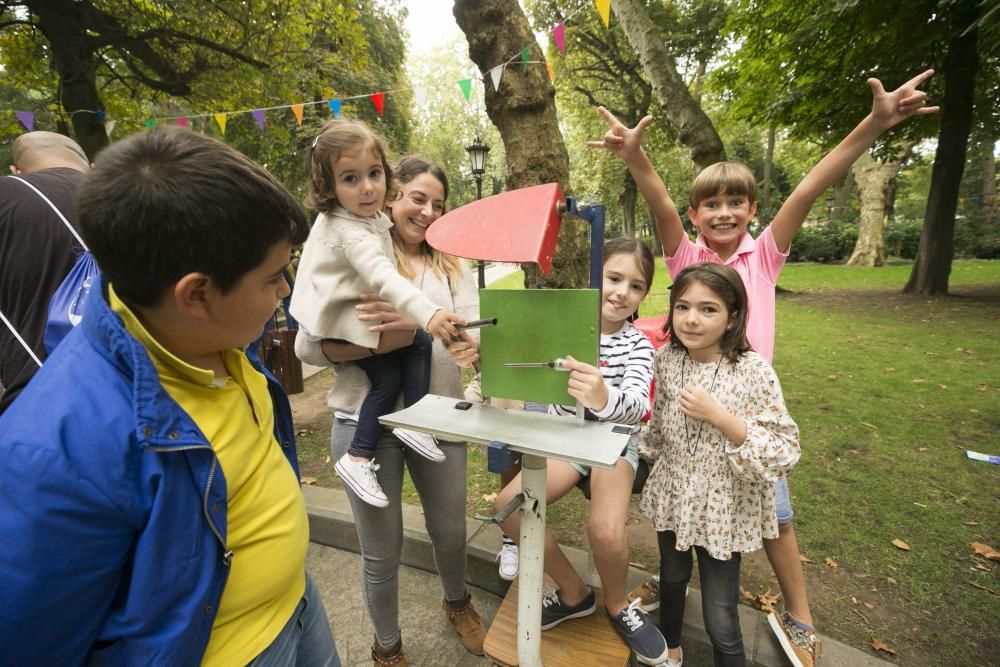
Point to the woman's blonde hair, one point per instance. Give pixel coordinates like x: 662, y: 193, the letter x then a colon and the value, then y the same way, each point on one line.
x: 444, y: 266
x: 335, y: 137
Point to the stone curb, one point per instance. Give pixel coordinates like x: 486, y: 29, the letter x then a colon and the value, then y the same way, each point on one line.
x: 331, y: 523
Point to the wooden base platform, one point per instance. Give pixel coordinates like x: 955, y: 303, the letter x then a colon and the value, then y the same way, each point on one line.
x: 580, y: 642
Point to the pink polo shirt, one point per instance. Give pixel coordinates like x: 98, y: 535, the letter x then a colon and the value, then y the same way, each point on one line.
x: 759, y: 263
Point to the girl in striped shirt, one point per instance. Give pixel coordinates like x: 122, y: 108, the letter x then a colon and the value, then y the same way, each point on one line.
x: 616, y: 391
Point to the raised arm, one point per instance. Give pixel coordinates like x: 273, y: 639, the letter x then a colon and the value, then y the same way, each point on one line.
x: 626, y: 143
x: 888, y: 110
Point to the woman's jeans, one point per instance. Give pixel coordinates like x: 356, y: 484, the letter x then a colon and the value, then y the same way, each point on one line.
x: 720, y: 591
x: 442, y: 489
x: 305, y: 641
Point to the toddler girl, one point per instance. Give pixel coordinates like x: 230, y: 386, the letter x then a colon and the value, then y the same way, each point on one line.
x: 349, y: 252
x: 721, y: 437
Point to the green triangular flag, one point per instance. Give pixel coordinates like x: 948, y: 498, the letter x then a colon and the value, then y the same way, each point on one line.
x: 524, y: 58
x: 150, y: 123
x: 466, y: 86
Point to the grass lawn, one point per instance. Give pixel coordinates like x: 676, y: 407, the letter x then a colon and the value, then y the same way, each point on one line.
x: 889, y: 391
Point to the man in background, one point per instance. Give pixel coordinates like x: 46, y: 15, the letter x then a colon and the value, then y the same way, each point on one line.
x: 36, y: 248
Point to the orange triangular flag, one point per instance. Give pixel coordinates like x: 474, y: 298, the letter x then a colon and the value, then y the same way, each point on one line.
x: 220, y: 118
x: 297, y: 110
x: 604, y: 9
x: 378, y: 99
x: 552, y: 75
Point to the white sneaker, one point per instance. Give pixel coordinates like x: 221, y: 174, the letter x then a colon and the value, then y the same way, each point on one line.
x: 359, y: 476
x: 422, y: 443
x: 508, y: 561
x: 673, y: 663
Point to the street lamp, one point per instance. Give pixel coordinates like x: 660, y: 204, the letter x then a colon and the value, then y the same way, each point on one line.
x: 477, y: 161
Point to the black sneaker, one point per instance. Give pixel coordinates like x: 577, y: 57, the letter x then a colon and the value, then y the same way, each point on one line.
x: 555, y: 611
x: 642, y: 636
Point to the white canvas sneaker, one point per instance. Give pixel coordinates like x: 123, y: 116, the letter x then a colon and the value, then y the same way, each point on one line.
x: 422, y: 443
x: 508, y: 558
x: 359, y: 476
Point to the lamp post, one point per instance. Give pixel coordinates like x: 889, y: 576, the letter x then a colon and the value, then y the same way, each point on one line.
x: 477, y: 161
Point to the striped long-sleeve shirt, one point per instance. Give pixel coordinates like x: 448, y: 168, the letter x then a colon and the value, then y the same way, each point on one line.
x: 626, y: 362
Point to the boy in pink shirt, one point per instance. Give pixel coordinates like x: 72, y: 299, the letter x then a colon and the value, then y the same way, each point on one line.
x: 722, y: 202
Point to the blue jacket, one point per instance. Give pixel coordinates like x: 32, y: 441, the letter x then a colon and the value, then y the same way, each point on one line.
x: 112, y: 509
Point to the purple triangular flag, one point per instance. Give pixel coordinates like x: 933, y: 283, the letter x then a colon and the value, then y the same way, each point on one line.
x: 258, y: 115
x: 27, y: 119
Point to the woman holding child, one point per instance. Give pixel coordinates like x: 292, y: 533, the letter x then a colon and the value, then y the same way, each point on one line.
x: 418, y: 199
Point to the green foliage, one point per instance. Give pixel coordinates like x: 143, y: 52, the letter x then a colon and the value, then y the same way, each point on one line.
x: 824, y: 243
x: 902, y: 238
x: 977, y: 233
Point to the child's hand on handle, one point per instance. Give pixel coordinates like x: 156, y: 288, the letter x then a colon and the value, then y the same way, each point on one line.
x: 442, y: 325
x: 698, y: 403
x: 586, y: 384
x: 890, y: 109
x: 465, y: 351
x: 622, y: 141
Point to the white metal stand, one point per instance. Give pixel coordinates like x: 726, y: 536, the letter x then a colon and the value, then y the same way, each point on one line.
x: 532, y: 561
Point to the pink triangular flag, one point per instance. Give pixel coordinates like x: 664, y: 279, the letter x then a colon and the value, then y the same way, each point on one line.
x: 27, y: 119
x: 220, y: 118
x: 559, y: 35
x: 297, y: 110
x: 182, y: 121
x: 604, y: 9
x: 495, y: 75
x: 378, y: 99
x: 258, y: 115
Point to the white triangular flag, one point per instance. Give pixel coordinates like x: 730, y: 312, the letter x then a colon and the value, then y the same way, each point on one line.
x: 495, y: 75
x: 419, y: 94
x: 109, y: 127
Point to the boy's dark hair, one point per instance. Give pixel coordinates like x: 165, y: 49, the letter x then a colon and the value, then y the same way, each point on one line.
x: 723, y: 178
x: 169, y: 202
x: 727, y: 284
x: 335, y: 137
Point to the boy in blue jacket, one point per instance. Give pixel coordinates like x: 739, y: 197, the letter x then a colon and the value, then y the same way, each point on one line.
x: 149, y: 495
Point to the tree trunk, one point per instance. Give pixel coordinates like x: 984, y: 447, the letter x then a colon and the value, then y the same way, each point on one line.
x: 525, y: 114
x: 842, y: 196
x: 693, y: 127
x: 76, y: 64
x: 933, y: 263
x: 989, y: 171
x: 630, y: 194
x: 874, y: 181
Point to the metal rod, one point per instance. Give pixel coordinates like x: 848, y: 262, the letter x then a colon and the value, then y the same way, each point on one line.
x: 478, y: 324
x: 532, y: 563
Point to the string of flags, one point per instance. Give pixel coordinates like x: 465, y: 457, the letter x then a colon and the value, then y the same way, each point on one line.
x: 495, y: 75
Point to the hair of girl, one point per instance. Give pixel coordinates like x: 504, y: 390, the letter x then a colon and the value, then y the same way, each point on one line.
x: 723, y: 178
x: 444, y: 266
x: 640, y: 252
x: 336, y: 137
x: 728, y: 286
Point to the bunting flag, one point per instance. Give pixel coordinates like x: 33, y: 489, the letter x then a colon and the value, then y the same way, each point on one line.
x: 258, y: 115
x: 150, y: 123
x: 559, y: 35
x: 297, y: 110
x: 182, y: 121
x: 220, y: 118
x: 109, y: 127
x: 100, y: 114
x: 335, y: 108
x: 466, y: 86
x: 495, y: 75
x: 378, y: 99
x: 604, y: 9
x: 524, y: 58
x: 419, y: 94
x: 552, y: 75
x: 27, y: 119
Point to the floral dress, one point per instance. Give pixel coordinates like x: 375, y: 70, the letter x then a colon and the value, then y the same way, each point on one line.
x: 709, y: 491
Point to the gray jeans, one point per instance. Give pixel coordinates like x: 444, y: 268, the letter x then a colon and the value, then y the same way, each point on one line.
x: 442, y: 489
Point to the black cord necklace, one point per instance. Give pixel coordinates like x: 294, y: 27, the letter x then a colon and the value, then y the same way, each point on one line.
x: 693, y: 449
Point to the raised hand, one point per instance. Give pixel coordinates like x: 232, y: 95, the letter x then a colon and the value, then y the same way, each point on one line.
x: 889, y: 109
x: 623, y: 141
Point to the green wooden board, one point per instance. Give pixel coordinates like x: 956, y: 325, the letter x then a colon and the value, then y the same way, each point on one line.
x: 536, y: 325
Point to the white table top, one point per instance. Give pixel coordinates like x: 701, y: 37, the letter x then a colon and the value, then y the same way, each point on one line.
x: 590, y: 443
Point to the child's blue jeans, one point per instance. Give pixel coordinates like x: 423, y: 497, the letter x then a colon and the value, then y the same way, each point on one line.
x: 720, y: 591
x: 407, y: 369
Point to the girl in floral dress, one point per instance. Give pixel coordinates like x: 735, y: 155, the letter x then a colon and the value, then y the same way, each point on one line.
x: 721, y: 437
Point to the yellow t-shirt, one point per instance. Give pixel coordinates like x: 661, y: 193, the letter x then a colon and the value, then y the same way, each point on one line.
x: 267, y: 526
